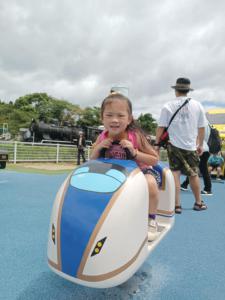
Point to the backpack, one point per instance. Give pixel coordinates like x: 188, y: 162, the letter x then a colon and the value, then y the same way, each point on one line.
x: 214, y: 141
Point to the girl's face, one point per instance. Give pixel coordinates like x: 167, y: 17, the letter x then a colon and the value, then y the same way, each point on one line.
x: 116, y: 117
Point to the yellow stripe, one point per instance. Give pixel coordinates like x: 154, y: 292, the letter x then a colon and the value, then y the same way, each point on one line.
x: 214, y: 111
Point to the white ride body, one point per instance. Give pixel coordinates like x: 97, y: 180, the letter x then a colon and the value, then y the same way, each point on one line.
x: 52, y: 251
x: 125, y: 224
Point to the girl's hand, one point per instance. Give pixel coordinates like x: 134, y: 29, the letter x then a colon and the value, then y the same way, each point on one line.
x: 127, y: 144
x: 105, y: 144
x: 96, y: 151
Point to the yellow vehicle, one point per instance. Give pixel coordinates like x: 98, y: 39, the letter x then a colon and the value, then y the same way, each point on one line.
x: 216, y: 117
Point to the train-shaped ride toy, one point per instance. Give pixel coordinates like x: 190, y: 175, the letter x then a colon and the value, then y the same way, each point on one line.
x: 99, y: 222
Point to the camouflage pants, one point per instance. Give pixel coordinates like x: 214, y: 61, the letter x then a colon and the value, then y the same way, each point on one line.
x: 185, y: 161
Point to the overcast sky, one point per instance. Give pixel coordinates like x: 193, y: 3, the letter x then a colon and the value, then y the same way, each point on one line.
x: 76, y: 50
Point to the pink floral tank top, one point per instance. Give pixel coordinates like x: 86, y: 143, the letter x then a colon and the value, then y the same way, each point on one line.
x: 118, y: 152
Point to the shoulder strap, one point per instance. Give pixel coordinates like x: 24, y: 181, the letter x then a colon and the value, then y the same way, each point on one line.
x: 173, y: 116
x: 103, y: 135
x: 132, y: 137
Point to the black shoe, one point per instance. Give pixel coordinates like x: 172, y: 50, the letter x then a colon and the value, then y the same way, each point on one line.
x: 178, y: 209
x: 183, y: 187
x: 206, y: 193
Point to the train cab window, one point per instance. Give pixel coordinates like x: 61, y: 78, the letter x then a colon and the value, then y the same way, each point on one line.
x: 99, y: 178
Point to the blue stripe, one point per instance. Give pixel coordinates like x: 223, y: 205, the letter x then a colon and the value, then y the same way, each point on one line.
x: 82, y: 210
x: 80, y: 213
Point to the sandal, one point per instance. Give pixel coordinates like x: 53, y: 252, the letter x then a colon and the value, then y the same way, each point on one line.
x: 178, y: 209
x: 199, y: 207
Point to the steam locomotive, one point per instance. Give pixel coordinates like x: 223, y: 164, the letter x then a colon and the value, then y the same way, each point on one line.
x: 39, y: 131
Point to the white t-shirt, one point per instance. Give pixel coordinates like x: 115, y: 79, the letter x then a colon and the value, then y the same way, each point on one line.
x: 183, y: 130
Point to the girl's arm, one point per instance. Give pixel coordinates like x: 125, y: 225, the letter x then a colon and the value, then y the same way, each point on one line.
x: 145, y: 154
x: 98, y: 146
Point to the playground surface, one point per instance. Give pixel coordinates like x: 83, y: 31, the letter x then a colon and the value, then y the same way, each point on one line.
x: 189, y: 263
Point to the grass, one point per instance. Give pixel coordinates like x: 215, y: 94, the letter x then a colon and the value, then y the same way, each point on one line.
x: 32, y: 168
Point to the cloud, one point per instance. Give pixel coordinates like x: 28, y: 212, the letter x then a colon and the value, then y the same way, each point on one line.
x: 77, y: 50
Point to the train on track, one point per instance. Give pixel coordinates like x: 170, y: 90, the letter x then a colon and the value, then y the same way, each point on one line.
x: 39, y: 131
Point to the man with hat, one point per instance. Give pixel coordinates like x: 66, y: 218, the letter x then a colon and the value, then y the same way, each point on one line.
x: 186, y: 135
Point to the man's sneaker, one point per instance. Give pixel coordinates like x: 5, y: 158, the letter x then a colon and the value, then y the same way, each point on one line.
x: 206, y: 193
x: 152, y: 230
x: 218, y: 178
x: 183, y: 187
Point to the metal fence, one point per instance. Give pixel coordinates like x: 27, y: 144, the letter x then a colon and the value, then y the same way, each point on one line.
x: 39, y: 152
x: 42, y: 152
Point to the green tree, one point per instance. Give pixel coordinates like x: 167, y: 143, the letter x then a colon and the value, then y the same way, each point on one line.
x: 45, y: 107
x: 15, y: 118
x: 90, y: 117
x: 19, y: 119
x: 40, y: 106
x: 147, y: 123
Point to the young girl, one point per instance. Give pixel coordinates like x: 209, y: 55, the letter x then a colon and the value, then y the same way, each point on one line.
x: 116, y: 114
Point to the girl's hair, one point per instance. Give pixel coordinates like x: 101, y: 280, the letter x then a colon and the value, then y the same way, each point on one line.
x: 133, y: 125
x: 116, y: 96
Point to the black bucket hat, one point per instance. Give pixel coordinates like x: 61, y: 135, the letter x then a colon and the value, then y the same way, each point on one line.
x: 182, y: 84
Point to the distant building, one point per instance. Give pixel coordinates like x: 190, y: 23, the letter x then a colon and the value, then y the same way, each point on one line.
x: 216, y: 117
x: 120, y: 89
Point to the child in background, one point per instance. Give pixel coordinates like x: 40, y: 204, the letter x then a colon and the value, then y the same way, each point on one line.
x: 116, y: 114
x: 215, y: 162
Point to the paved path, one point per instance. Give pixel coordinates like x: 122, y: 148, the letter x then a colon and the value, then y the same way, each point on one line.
x: 189, y: 263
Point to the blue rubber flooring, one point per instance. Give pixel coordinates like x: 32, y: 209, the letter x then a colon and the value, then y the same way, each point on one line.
x: 189, y: 263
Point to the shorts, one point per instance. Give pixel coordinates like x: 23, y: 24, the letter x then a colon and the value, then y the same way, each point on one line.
x: 185, y: 161
x: 214, y: 167
x: 154, y: 173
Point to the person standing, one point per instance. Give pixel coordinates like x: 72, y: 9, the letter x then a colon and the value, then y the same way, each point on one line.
x: 183, y: 152
x: 203, y: 167
x: 81, y: 144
